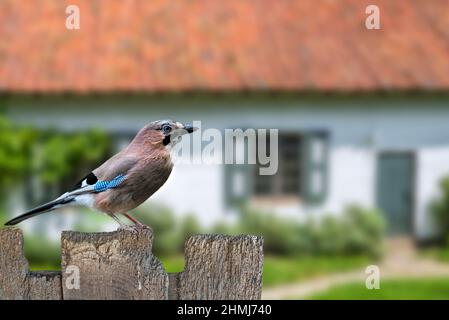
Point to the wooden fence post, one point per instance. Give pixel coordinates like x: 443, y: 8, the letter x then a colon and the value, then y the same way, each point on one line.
x: 222, y: 267
x: 120, y: 265
x: 16, y: 282
x: 112, y: 265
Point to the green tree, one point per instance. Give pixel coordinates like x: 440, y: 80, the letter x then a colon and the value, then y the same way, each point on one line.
x: 55, y: 158
x: 64, y: 158
x: 15, y: 145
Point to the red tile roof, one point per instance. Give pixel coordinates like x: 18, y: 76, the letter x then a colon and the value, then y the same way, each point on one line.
x: 174, y: 45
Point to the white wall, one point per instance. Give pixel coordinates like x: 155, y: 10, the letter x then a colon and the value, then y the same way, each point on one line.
x: 194, y: 189
x: 352, y: 178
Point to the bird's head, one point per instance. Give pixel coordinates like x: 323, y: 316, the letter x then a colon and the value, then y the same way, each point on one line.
x: 166, y: 132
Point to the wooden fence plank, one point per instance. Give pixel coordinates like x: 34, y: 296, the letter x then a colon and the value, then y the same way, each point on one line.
x: 16, y: 282
x: 44, y: 285
x: 113, y: 265
x: 222, y: 267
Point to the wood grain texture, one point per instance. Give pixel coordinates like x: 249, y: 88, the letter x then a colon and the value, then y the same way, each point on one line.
x: 16, y: 282
x: 44, y: 285
x: 173, y: 286
x: 222, y: 267
x: 114, y: 265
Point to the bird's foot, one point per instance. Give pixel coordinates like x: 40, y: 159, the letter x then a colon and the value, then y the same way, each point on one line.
x: 132, y: 229
x: 141, y: 226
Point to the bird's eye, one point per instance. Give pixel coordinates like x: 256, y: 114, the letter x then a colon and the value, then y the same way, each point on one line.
x: 166, y: 128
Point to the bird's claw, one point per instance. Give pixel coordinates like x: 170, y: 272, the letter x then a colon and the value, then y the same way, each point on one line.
x: 142, y: 227
x: 134, y: 229
x: 128, y: 228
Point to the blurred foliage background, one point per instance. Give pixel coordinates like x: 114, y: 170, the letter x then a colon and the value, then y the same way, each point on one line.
x: 53, y: 157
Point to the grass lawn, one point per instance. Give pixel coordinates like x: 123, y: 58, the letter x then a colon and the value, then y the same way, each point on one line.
x: 440, y: 254
x: 282, y: 270
x: 428, y: 289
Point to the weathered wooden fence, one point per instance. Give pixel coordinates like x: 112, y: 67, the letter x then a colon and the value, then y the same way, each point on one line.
x: 120, y: 265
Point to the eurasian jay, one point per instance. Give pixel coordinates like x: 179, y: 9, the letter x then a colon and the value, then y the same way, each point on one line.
x: 127, y: 179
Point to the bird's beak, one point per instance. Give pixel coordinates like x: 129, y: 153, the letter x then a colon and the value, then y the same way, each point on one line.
x: 189, y: 128
x: 182, y: 129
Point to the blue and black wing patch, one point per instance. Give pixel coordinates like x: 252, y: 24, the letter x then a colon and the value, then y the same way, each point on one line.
x: 98, y: 185
x: 101, y: 186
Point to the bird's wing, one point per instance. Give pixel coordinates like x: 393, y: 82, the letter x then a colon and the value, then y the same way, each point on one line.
x: 109, y: 175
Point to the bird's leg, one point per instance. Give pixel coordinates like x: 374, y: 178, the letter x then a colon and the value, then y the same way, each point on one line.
x: 135, y: 221
x: 123, y: 226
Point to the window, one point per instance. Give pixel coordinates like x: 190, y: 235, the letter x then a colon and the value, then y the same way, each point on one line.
x: 287, y: 181
x: 302, y: 171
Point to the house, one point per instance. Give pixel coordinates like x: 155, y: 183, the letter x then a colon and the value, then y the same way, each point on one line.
x: 362, y: 114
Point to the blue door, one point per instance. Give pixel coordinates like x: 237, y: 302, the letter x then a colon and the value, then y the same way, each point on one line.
x: 395, y: 173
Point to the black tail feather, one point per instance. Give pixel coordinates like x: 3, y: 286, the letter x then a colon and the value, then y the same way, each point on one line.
x: 39, y: 210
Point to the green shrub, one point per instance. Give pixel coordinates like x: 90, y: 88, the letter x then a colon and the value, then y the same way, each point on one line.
x: 15, y: 147
x: 440, y: 209
x: 356, y: 231
x: 364, y: 230
x: 61, y: 157
x: 281, y: 236
x: 56, y: 158
x: 330, y: 235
